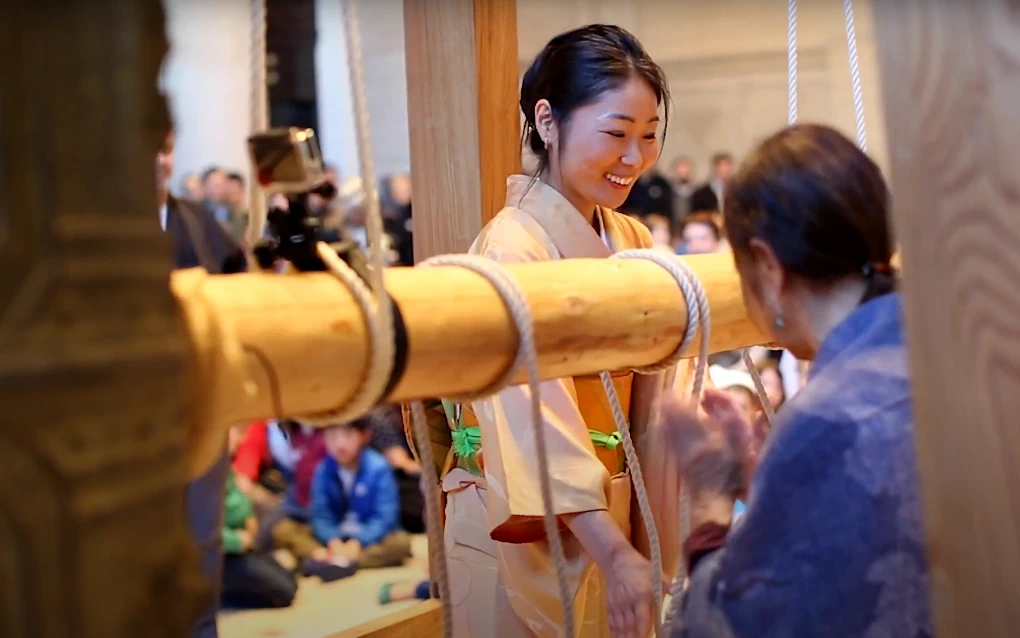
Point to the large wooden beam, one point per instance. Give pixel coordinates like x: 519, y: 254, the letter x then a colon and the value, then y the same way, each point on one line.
x: 464, y: 123
x: 951, y: 74
x: 92, y: 355
x: 300, y: 343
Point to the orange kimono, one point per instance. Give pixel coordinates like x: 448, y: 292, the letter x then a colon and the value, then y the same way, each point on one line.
x: 501, y: 576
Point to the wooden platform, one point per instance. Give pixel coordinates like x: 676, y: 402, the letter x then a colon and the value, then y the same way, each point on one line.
x: 323, y: 610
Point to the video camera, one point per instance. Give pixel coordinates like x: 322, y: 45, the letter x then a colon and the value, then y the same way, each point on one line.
x: 288, y: 162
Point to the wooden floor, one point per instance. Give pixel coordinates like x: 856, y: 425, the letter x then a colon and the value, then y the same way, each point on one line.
x: 321, y: 610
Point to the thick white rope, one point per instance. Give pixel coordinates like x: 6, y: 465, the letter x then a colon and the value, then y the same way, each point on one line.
x: 791, y: 9
x: 259, y: 114
x: 374, y: 302
x: 697, y: 318
x: 517, y: 305
x: 855, y: 74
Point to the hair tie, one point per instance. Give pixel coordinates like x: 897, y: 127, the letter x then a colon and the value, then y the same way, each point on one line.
x: 873, y: 268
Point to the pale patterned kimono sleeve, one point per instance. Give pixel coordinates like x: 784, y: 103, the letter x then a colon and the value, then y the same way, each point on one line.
x: 579, y: 481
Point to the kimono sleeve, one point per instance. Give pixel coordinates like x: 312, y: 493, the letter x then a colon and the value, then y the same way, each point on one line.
x: 579, y: 480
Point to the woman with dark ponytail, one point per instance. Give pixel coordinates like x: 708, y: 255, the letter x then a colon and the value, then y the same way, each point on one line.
x: 595, y: 107
x: 831, y: 543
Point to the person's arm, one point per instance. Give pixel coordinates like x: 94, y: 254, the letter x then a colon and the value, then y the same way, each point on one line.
x: 400, y: 459
x: 386, y: 514
x: 323, y: 521
x: 252, y: 449
x: 235, y: 541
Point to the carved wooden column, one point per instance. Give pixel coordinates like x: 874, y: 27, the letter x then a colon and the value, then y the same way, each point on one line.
x: 92, y: 536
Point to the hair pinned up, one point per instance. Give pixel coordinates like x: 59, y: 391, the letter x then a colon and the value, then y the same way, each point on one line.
x: 577, y: 67
x: 819, y: 202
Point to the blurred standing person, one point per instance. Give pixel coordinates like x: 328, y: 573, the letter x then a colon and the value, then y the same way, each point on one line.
x: 395, y: 196
x: 652, y: 194
x: 191, y: 188
x: 709, y: 197
x: 237, y: 201
x: 682, y: 181
x: 197, y: 240
x: 214, y: 187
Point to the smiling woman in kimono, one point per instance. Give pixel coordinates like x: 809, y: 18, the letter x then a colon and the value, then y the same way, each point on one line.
x: 592, y: 102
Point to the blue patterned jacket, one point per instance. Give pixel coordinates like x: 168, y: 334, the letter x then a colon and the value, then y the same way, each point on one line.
x: 832, y: 541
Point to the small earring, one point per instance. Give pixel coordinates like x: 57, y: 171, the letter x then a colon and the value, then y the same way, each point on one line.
x: 779, y: 322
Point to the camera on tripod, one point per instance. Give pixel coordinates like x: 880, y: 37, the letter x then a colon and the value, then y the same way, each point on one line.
x: 288, y: 162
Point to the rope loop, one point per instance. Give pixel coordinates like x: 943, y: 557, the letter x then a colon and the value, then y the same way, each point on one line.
x: 517, y: 304
x: 513, y: 300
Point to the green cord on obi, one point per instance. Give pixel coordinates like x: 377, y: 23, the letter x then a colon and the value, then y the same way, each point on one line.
x: 467, y: 440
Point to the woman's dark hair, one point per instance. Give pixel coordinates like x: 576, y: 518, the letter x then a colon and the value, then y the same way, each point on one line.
x: 819, y: 202
x: 577, y: 67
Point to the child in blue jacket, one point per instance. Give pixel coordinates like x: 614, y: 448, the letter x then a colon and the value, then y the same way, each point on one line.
x: 355, y: 501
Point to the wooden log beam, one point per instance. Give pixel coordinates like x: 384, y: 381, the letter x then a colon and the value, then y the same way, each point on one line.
x: 464, y: 120
x: 951, y: 74
x: 272, y: 346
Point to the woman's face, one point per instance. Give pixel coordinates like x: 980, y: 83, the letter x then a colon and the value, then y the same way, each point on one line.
x: 596, y: 158
x: 700, y: 239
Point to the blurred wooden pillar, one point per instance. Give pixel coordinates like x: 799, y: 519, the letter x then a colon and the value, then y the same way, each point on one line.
x: 92, y: 535
x: 464, y: 124
x: 951, y: 76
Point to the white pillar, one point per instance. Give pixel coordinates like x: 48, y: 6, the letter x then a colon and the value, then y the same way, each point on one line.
x: 207, y: 79
x: 333, y: 90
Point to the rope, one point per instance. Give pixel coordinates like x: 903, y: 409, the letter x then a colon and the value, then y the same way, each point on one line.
x: 763, y: 397
x: 517, y: 304
x: 792, y: 58
x: 373, y: 301
x: 259, y: 114
x: 855, y: 74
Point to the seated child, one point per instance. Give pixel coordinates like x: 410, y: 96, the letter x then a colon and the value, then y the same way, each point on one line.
x: 298, y: 449
x: 250, y: 578
x: 355, y: 502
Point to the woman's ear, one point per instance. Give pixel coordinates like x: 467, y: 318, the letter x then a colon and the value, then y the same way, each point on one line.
x: 768, y: 271
x: 545, y: 123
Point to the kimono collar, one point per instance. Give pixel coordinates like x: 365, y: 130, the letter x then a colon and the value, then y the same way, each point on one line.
x: 566, y: 227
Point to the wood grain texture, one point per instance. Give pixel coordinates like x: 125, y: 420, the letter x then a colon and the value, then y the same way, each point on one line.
x: 499, y: 120
x: 462, y: 105
x: 308, y: 351
x: 951, y: 76
x: 421, y: 620
x: 92, y: 535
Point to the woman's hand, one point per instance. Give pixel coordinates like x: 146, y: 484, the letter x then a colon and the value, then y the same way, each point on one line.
x: 713, y: 450
x: 630, y: 594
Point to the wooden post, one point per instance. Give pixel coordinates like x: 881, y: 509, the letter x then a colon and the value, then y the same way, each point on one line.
x: 92, y: 356
x: 464, y: 122
x: 951, y: 74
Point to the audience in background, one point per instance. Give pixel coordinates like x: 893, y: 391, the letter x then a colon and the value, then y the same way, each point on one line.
x: 251, y: 578
x: 355, y: 502
x: 681, y: 180
x: 191, y: 189
x: 709, y: 197
x: 652, y: 194
x: 700, y: 233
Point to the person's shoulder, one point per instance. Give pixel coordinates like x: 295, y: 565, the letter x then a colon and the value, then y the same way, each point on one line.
x: 373, y: 461
x: 635, y: 231
x: 512, y: 236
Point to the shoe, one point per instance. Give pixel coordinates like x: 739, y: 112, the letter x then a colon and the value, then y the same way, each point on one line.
x: 328, y: 572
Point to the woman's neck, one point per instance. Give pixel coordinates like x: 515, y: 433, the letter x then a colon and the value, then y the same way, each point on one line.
x: 824, y: 310
x: 585, y: 208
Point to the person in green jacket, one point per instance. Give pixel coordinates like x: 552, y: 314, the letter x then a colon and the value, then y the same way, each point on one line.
x: 251, y: 578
